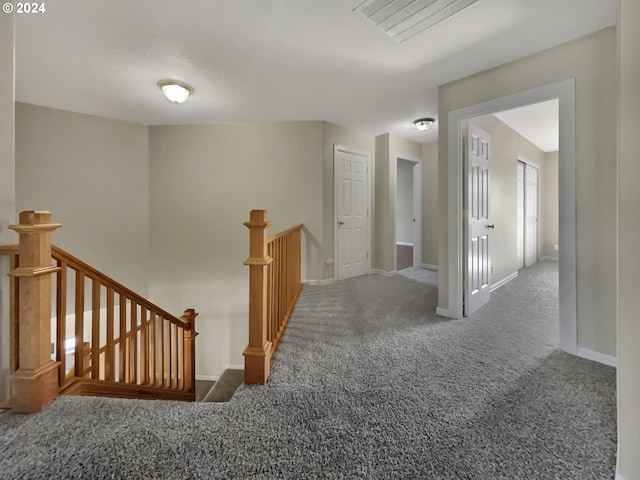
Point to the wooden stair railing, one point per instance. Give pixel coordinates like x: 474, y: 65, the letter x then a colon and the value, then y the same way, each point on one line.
x: 274, y: 287
x: 123, y: 346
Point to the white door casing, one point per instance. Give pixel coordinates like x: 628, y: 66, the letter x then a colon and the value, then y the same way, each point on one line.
x: 477, y: 291
x: 351, y: 170
x: 565, y: 91
x: 531, y: 217
x: 520, y: 214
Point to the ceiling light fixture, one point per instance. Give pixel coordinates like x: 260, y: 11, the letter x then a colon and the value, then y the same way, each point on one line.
x: 175, y: 91
x: 424, y: 124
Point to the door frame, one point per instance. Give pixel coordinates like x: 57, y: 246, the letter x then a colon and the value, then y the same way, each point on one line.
x: 417, y: 209
x: 342, y: 148
x: 564, y: 91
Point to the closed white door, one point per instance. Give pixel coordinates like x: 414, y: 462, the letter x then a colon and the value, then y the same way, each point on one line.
x: 477, y: 291
x: 520, y: 216
x: 531, y: 216
x: 352, y: 214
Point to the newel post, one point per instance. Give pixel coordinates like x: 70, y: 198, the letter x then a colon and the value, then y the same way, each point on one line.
x: 257, y: 355
x: 35, y: 383
x: 189, y: 317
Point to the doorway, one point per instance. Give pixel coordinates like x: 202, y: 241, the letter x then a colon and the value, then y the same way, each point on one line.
x: 408, y: 212
x: 564, y: 91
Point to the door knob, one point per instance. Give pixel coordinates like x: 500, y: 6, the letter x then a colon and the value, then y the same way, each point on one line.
x: 340, y: 222
x: 491, y: 226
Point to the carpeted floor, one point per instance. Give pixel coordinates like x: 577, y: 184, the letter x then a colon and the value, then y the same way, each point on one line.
x: 368, y: 383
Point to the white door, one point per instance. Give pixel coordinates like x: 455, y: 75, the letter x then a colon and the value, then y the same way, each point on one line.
x: 477, y: 289
x: 531, y: 216
x: 352, y: 213
x: 520, y: 216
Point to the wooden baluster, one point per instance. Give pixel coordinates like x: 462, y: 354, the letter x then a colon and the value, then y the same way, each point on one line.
x: 144, y: 350
x: 14, y: 312
x: 180, y: 356
x: 79, y: 327
x: 160, y: 333
x: 165, y: 352
x: 269, y: 284
x: 152, y: 348
x: 122, y: 349
x: 257, y: 355
x: 285, y: 278
x: 95, y: 329
x: 174, y: 356
x: 35, y: 382
x: 61, y: 321
x: 189, y: 317
x: 281, y: 287
x: 86, y: 358
x: 133, y: 335
x: 110, y: 354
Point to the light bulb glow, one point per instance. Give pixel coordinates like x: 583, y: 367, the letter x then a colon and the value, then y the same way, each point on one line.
x: 424, y: 124
x: 175, y: 91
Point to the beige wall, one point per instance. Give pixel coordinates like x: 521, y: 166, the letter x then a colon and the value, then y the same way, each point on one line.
x: 506, y: 146
x: 549, y: 204
x: 592, y: 62
x: 204, y: 182
x: 7, y: 185
x: 430, y: 203
x: 335, y: 135
x: 92, y: 173
x: 387, y: 147
x: 629, y: 232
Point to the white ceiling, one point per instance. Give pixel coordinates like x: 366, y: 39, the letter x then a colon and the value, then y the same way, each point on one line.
x: 538, y: 123
x: 273, y: 60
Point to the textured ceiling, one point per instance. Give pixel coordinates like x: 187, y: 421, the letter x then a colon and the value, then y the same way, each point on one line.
x: 274, y: 60
x: 538, y: 123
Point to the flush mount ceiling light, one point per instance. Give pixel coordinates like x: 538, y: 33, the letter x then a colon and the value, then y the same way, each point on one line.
x: 175, y: 91
x: 424, y: 124
x: 404, y: 19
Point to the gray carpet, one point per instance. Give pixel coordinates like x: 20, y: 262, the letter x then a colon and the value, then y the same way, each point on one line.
x: 367, y: 384
x: 226, y: 386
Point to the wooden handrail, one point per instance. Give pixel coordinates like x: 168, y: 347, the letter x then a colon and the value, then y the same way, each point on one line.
x: 275, y: 236
x: 133, y: 349
x: 59, y: 254
x: 76, y: 264
x: 274, y: 287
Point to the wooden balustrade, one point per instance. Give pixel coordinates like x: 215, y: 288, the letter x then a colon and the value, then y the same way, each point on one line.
x: 274, y: 287
x: 116, y: 342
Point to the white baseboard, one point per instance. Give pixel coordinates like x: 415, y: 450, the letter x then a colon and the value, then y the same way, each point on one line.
x: 597, y: 357
x: 208, y: 378
x: 383, y: 272
x: 324, y: 282
x: 549, y: 259
x: 443, y: 312
x: 404, y: 244
x: 237, y: 366
x: 506, y: 279
x: 428, y: 266
x: 619, y: 476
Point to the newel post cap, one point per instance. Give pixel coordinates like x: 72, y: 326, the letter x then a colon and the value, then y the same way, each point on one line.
x: 257, y: 218
x: 34, y: 220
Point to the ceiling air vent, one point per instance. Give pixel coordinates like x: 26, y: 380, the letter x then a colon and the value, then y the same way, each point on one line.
x: 404, y: 19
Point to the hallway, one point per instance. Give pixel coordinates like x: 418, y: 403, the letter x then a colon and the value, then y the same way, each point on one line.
x: 368, y: 383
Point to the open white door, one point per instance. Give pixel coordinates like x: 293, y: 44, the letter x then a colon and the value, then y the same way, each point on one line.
x: 531, y: 216
x: 477, y: 291
x: 520, y: 214
x: 352, y: 213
